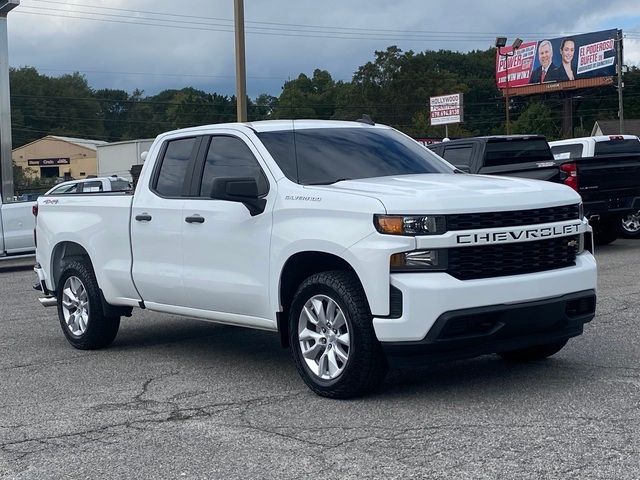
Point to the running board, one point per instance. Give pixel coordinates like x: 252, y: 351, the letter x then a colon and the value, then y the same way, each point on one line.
x: 48, y: 301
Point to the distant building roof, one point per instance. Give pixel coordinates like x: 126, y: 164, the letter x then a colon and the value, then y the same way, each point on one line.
x: 81, y: 142
x: 612, y: 127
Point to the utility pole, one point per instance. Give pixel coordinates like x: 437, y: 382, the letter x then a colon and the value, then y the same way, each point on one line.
x: 241, y: 71
x: 620, y: 83
x: 6, y: 167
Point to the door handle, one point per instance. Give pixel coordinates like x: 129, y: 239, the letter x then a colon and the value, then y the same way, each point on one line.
x: 194, y: 219
x: 145, y: 217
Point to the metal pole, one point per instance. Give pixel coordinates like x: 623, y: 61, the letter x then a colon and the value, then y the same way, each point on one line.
x: 6, y: 167
x: 506, y: 103
x: 241, y: 72
x: 620, y: 84
x: 446, y: 131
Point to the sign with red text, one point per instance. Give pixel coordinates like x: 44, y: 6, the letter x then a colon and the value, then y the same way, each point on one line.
x: 559, y: 60
x: 446, y: 109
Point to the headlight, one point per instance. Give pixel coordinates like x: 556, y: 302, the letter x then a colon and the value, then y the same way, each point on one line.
x: 419, y: 260
x: 410, y: 224
x: 580, y: 210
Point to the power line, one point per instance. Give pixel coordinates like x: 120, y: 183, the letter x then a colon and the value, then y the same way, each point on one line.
x: 348, y: 29
x: 260, y: 30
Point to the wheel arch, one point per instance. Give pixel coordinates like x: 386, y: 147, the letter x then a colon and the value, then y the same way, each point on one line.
x: 295, y: 270
x: 61, y: 252
x: 69, y: 249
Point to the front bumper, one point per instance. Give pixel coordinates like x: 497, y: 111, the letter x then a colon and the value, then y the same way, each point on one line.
x: 427, y: 296
x: 497, y: 328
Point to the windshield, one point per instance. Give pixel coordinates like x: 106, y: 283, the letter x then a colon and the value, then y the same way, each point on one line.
x: 327, y: 155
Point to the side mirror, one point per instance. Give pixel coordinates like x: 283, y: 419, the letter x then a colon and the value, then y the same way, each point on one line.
x: 240, y: 189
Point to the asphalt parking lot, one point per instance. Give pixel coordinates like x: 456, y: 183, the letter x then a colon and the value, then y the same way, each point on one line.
x: 178, y: 398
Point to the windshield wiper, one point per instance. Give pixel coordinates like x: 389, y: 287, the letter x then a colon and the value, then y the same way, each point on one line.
x: 330, y: 182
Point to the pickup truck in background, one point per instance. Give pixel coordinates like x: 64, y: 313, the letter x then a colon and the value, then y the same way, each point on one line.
x: 614, y: 148
x: 16, y: 228
x: 609, y: 185
x: 92, y: 185
x: 361, y: 248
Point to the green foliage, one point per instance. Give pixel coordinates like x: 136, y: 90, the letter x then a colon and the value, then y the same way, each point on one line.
x: 540, y: 119
x: 393, y: 88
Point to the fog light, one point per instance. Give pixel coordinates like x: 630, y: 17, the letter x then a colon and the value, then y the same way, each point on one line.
x: 419, y: 260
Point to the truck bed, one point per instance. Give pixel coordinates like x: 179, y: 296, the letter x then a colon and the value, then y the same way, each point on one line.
x: 102, y: 219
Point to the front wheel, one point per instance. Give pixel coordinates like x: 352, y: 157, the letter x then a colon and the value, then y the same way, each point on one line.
x: 537, y: 352
x: 630, y: 225
x: 80, y: 308
x: 334, y: 346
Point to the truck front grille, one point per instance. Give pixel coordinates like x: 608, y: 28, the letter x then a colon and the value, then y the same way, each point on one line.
x: 473, y: 221
x: 488, y: 261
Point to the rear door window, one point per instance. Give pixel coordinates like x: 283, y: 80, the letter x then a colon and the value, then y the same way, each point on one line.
x: 73, y: 188
x: 459, y: 155
x: 92, y: 187
x: 565, y: 152
x: 172, y: 177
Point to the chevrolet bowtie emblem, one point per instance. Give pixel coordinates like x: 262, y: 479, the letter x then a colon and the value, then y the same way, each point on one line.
x: 572, y: 243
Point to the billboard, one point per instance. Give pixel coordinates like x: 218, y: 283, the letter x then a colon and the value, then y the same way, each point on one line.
x: 446, y: 109
x: 559, y: 60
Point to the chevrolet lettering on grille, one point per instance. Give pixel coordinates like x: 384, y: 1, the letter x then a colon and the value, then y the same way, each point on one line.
x: 517, y: 235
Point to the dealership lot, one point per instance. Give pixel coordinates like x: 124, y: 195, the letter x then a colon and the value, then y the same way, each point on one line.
x: 178, y: 398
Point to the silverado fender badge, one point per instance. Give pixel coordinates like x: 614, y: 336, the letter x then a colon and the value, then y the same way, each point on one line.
x: 301, y: 198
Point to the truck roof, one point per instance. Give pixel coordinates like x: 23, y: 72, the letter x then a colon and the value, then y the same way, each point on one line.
x: 279, y: 125
x: 597, y: 138
x: 497, y: 137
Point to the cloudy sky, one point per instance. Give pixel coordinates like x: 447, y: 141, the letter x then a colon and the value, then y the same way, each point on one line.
x: 158, y: 44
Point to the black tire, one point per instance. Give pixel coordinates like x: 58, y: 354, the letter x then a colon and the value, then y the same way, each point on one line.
x: 629, y: 229
x: 100, y: 330
x: 366, y: 366
x: 537, y: 352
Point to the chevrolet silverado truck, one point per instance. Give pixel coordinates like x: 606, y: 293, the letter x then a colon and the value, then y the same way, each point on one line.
x: 609, y: 185
x: 614, y: 149
x: 357, y: 245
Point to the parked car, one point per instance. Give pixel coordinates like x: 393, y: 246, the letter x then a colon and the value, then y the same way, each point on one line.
x: 609, y: 185
x: 360, y: 247
x: 92, y: 185
x: 610, y: 148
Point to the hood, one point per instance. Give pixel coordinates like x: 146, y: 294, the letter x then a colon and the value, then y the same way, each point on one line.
x: 457, y: 193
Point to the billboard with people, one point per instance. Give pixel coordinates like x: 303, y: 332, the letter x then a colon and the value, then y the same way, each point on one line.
x: 563, y: 59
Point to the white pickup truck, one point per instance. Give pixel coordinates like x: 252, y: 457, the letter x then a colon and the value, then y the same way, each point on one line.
x: 16, y: 228
x: 359, y: 246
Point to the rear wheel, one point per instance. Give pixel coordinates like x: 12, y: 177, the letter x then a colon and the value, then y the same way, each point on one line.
x: 80, y: 308
x: 537, y: 352
x: 630, y: 225
x: 332, y: 338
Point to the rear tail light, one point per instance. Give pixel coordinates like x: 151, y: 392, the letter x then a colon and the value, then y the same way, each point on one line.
x: 34, y: 210
x: 570, y: 177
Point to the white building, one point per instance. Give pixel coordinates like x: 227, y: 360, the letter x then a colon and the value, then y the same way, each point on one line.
x: 118, y: 158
